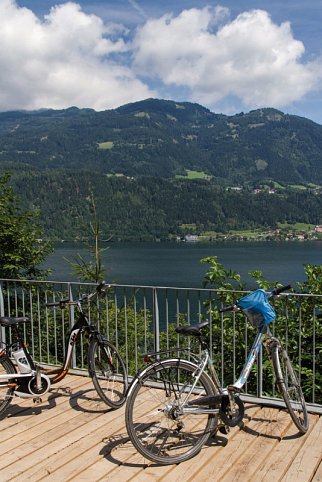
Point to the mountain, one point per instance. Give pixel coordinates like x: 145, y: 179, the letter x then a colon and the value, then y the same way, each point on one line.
x: 162, y: 138
x: 160, y: 169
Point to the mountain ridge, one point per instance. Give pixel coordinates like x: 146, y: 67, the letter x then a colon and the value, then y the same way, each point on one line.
x: 161, y: 169
x: 164, y: 138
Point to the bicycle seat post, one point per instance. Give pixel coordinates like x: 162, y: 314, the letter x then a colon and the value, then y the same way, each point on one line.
x: 202, y: 341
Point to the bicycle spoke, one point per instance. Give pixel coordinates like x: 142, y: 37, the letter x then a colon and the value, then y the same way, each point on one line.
x: 156, y: 424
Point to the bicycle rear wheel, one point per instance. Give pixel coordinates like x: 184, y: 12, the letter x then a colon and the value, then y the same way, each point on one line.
x: 108, y: 373
x: 156, y: 425
x: 6, y: 392
x: 289, y: 387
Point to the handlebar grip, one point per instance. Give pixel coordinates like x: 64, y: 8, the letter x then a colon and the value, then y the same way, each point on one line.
x: 277, y: 291
x: 101, y: 286
x: 52, y: 305
x: 227, y: 308
x: 58, y: 304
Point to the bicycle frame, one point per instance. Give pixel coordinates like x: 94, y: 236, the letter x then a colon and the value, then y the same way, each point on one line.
x: 58, y: 373
x: 258, y: 342
x: 82, y: 324
x: 25, y: 378
x: 206, y: 360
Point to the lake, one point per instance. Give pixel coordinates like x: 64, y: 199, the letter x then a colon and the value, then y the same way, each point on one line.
x: 178, y: 264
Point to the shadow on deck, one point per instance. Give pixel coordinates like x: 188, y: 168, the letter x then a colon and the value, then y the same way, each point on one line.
x: 72, y: 435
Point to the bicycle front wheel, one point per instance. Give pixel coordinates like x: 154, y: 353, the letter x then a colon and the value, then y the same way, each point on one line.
x: 289, y: 387
x: 156, y: 422
x: 6, y: 392
x: 108, y: 373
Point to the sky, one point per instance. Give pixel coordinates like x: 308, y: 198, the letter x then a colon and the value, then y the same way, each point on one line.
x: 230, y: 56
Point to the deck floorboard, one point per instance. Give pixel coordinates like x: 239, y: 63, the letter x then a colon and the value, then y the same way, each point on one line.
x: 73, y: 436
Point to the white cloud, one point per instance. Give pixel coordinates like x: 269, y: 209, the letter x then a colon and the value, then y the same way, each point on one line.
x: 73, y: 58
x: 250, y: 57
x: 65, y: 59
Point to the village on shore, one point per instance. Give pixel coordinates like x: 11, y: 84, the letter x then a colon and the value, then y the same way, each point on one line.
x: 283, y: 233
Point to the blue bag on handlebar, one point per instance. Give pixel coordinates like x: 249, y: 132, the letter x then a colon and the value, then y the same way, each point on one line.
x: 257, y: 308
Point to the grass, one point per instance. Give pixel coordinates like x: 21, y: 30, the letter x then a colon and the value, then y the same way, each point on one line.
x: 142, y: 114
x: 194, y: 175
x: 247, y: 233
x: 301, y: 227
x: 106, y: 145
x: 300, y: 187
x: 276, y: 185
x: 193, y: 227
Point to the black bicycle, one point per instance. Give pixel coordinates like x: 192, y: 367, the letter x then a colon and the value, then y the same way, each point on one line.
x: 21, y: 376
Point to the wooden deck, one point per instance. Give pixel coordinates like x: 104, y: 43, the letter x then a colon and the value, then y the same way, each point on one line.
x: 72, y: 436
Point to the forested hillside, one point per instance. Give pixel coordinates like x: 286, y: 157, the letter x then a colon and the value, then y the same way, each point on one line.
x: 148, y: 209
x: 161, y: 169
x: 165, y: 139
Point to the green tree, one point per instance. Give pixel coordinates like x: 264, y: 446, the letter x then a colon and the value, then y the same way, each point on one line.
x: 22, y: 247
x: 91, y: 269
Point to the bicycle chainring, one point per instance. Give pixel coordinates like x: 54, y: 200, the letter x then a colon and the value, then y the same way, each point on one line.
x: 227, y: 416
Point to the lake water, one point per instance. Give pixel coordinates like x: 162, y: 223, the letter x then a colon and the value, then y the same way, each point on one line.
x: 178, y: 264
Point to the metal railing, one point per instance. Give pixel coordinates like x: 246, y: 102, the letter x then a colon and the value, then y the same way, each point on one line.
x: 139, y: 319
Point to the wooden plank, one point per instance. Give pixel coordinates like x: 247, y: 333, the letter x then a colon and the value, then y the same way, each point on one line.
x: 79, y: 439
x: 216, y: 467
x: 30, y: 430
x: 318, y: 474
x: 75, y: 453
x: 143, y: 469
x: 20, y: 405
x: 58, y: 438
x: 49, y: 408
x: 17, y: 421
x: 132, y: 463
x: 253, y: 457
x: 80, y: 463
x: 309, y: 458
x: 283, y: 455
x: 208, y: 453
x: 213, y: 463
x: 117, y: 436
x: 106, y: 467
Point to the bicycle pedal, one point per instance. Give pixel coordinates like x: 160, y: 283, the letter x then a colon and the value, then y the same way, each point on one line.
x: 224, y: 429
x: 67, y: 390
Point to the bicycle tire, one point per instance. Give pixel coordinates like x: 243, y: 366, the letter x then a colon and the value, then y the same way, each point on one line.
x: 289, y: 387
x: 163, y: 435
x: 8, y: 367
x: 108, y: 373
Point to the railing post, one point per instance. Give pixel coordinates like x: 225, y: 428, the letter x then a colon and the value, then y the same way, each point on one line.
x: 156, y: 325
x: 71, y: 322
x: 3, y: 331
x: 260, y: 373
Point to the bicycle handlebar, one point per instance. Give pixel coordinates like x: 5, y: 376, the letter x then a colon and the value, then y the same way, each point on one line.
x: 100, y: 288
x: 228, y: 308
x: 274, y: 292
x: 277, y: 291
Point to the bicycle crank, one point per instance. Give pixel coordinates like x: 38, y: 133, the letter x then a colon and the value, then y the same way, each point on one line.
x: 229, y: 416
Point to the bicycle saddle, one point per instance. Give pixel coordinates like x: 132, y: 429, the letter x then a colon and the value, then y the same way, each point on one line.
x: 189, y: 330
x: 12, y: 320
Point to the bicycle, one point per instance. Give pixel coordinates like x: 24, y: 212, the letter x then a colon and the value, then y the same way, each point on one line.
x: 21, y: 376
x: 173, y: 405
